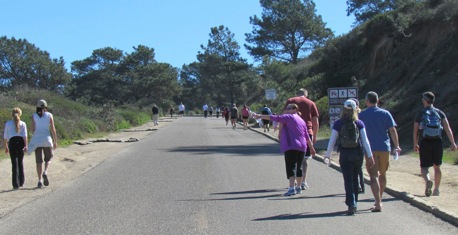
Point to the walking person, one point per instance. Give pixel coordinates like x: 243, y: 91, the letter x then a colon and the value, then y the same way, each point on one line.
x: 171, y: 111
x: 205, y: 108
x: 361, y: 188
x: 245, y: 116
x: 15, y: 139
x: 352, y: 135
x: 265, y: 123
x: 218, y: 110
x: 234, y: 112
x: 210, y: 111
x: 309, y: 113
x: 181, y: 109
x: 155, y: 111
x: 44, y: 140
x: 294, y: 141
x: 379, y: 123
x: 226, y: 114
x: 427, y: 140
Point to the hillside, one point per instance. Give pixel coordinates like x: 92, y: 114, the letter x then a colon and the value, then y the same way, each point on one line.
x: 400, y: 63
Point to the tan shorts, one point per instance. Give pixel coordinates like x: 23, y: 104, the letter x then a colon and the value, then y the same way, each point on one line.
x: 382, y: 162
x: 39, y: 154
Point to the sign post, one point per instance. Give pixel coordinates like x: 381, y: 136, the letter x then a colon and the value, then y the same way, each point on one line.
x: 337, y: 97
x: 271, y: 94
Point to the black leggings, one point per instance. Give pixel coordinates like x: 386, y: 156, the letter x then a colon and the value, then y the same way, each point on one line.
x: 16, y: 146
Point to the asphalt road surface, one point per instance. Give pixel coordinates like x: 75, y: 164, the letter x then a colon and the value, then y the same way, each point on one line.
x: 198, y: 176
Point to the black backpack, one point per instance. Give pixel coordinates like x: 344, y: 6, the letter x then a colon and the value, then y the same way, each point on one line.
x: 349, y: 135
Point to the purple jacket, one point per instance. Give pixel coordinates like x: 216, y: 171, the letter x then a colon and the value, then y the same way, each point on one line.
x: 293, y: 133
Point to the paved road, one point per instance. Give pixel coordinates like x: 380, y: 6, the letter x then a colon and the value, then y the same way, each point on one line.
x: 198, y: 176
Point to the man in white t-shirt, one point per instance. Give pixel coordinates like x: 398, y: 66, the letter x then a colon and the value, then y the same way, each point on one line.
x: 181, y: 109
x: 205, y: 108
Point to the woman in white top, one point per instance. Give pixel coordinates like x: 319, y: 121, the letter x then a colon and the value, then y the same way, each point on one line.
x: 15, y: 138
x: 44, y: 140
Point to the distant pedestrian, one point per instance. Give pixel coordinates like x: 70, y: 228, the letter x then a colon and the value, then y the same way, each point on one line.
x: 171, y: 111
x: 265, y: 111
x: 226, y: 114
x: 352, y: 135
x: 218, y: 111
x: 245, y: 116
x: 210, y: 111
x: 155, y: 111
x: 427, y: 139
x: 234, y: 112
x: 275, y: 125
x: 379, y: 123
x: 309, y: 113
x: 294, y: 141
x: 205, y: 108
x: 44, y: 140
x: 181, y: 109
x: 15, y: 139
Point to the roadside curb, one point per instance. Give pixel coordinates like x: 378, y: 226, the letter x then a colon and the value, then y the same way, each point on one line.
x: 445, y: 215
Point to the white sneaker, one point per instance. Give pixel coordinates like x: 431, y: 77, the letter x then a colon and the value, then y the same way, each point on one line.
x: 304, y: 186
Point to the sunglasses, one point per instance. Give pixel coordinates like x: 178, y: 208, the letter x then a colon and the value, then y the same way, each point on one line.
x: 289, y: 108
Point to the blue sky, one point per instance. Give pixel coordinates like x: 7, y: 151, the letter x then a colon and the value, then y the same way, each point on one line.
x: 174, y: 28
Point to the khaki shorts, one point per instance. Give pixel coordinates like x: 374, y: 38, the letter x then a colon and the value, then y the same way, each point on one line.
x: 39, y: 154
x: 382, y: 162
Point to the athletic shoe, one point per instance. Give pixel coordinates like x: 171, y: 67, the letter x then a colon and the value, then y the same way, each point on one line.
x: 290, y: 192
x: 39, y: 184
x: 428, y: 190
x: 304, y: 186
x: 45, y: 179
x: 298, y: 190
x: 436, y: 192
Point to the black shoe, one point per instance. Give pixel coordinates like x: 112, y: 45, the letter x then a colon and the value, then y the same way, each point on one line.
x: 351, y: 210
x: 39, y: 184
x: 45, y: 180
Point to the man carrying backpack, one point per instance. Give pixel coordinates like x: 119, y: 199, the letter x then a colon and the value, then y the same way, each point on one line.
x: 379, y: 123
x: 427, y: 140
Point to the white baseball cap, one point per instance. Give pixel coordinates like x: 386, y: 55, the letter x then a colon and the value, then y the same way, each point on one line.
x: 350, y: 104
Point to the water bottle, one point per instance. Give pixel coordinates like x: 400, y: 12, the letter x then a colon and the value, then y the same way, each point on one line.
x: 327, y: 161
x: 395, y: 155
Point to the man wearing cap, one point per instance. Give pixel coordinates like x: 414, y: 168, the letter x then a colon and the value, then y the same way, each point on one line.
x: 309, y: 113
x: 379, y: 123
x: 431, y: 148
x: 44, y: 140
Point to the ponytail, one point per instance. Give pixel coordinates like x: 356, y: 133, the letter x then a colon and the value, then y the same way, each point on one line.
x: 17, y: 112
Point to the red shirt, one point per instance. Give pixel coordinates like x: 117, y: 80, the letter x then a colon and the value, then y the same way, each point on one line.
x: 307, y: 109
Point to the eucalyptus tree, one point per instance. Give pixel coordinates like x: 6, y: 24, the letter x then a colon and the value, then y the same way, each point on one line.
x: 22, y: 63
x: 287, y: 30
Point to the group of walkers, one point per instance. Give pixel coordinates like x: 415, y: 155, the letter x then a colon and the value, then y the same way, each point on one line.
x: 43, y: 142
x: 365, y: 135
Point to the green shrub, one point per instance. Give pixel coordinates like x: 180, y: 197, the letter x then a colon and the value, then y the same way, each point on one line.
x: 87, y: 125
x: 122, y: 124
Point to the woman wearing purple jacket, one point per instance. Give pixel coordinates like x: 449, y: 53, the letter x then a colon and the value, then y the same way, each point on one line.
x: 294, y: 141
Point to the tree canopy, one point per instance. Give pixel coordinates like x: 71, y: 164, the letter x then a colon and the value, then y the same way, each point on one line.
x: 110, y: 76
x: 287, y: 30
x: 364, y: 10
x: 22, y: 63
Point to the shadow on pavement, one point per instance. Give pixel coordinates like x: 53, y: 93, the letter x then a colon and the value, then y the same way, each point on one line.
x: 303, y: 216
x: 250, y: 150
